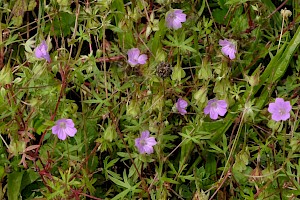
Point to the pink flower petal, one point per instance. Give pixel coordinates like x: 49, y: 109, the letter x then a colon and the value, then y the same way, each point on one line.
x: 222, y: 111
x: 145, y: 134
x: 174, y: 19
x: 213, y: 114
x: 142, y: 59
x: 224, y: 42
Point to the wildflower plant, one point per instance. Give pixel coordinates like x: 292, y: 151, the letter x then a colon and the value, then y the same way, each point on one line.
x: 70, y: 121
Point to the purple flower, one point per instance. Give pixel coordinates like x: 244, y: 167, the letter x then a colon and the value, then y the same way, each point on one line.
x: 135, y: 58
x: 215, y: 108
x: 145, y: 143
x: 181, y: 106
x: 280, y: 110
x: 64, y: 128
x: 228, y: 48
x: 174, y: 19
x: 41, y: 51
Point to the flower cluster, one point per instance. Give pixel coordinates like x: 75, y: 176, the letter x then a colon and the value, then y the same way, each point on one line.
x: 63, y: 128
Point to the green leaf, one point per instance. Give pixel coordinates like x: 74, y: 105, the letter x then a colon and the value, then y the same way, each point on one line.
x: 231, y: 2
x: 93, y: 163
x: 31, y: 5
x: 169, y: 180
x: 61, y: 24
x: 20, y: 6
x: 118, y: 182
x: 2, y: 172
x: 120, y: 8
x: 178, y: 73
x: 29, y: 177
x: 274, y: 71
x: 63, y: 2
x: 219, y: 15
x: 241, y: 160
x: 121, y: 195
x: 6, y: 76
x: 14, y: 185
x: 11, y: 39
x: 240, y: 176
x: 110, y: 133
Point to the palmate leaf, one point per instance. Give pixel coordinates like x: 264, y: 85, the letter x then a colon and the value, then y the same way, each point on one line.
x: 126, y: 185
x: 121, y: 195
x: 180, y: 42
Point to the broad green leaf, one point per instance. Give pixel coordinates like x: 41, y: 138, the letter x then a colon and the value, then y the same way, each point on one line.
x: 14, y: 180
x: 29, y: 177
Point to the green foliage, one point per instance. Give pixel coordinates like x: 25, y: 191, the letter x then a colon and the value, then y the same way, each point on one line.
x: 14, y: 181
x: 243, y: 155
x: 61, y: 24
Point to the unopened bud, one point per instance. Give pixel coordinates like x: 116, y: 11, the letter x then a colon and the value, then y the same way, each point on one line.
x: 285, y: 13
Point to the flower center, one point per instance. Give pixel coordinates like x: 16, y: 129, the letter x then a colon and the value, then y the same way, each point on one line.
x: 62, y: 125
x: 172, y: 16
x: 281, y: 111
x: 43, y: 50
x: 214, y: 105
x: 143, y: 142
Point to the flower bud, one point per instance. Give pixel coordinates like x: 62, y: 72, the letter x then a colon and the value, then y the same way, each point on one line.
x: 6, y: 76
x: 110, y: 133
x: 200, y: 95
x: 178, y: 73
x: 285, y: 13
x: 133, y: 109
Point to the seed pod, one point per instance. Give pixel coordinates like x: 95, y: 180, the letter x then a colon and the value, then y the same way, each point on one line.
x: 164, y: 69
